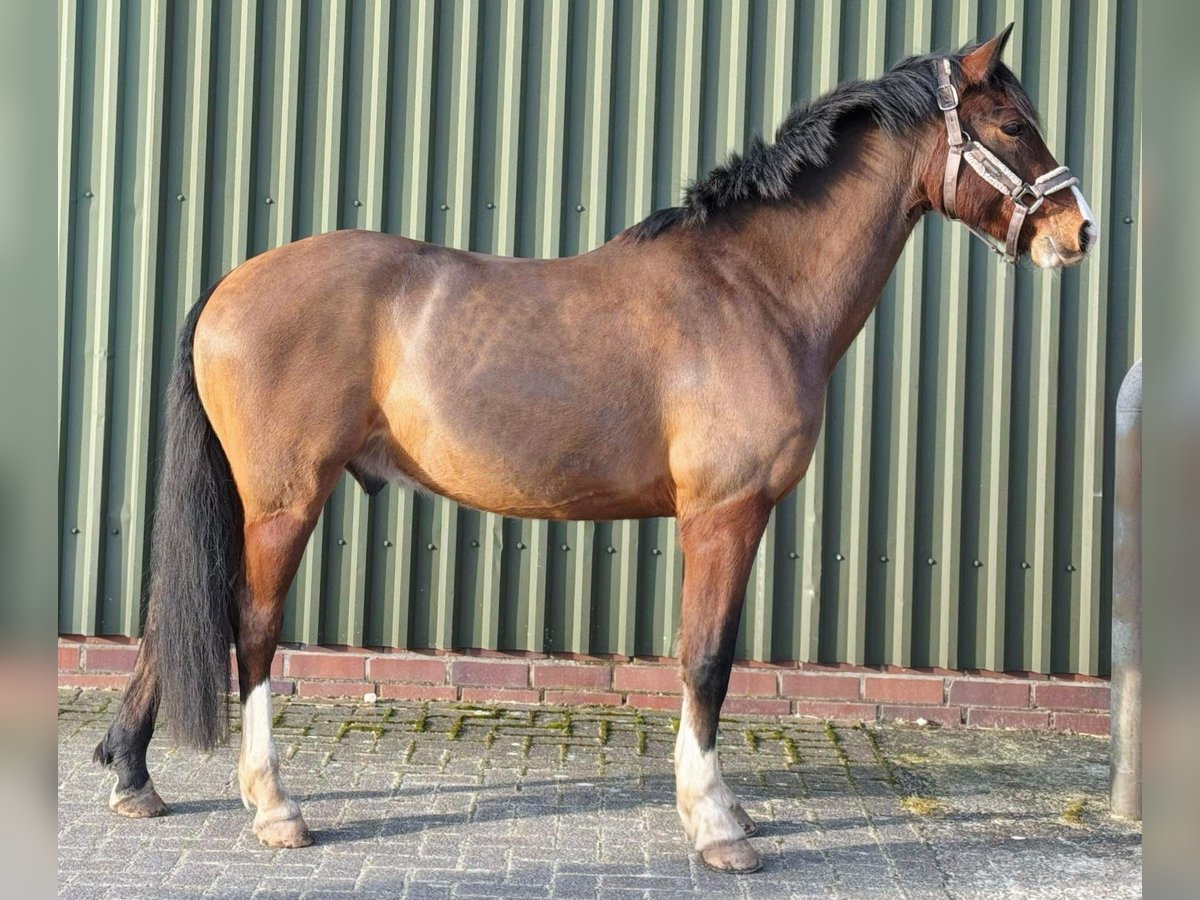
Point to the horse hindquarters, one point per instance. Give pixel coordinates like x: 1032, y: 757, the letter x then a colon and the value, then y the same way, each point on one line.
x: 291, y: 405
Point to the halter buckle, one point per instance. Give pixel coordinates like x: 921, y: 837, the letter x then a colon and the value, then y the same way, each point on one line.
x: 947, y: 97
x: 1028, y: 198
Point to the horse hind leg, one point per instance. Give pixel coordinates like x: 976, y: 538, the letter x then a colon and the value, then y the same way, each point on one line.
x: 274, y: 545
x: 123, y: 748
x: 719, y: 547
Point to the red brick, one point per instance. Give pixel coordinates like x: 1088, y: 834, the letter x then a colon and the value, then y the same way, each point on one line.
x: 334, y: 688
x: 1083, y: 723
x: 1057, y: 695
x: 110, y: 659
x: 68, y: 658
x: 747, y: 683
x: 653, y: 701
x: 943, y: 715
x: 498, y: 695
x: 809, y: 684
x: 968, y: 692
x: 903, y: 688
x: 489, y: 673
x: 408, y: 669
x: 1007, y: 718
x: 659, y: 679
x: 835, y: 712
x: 347, y: 666
x: 552, y: 675
x: 756, y: 706
x: 418, y: 692
x: 583, y: 698
x: 76, y: 679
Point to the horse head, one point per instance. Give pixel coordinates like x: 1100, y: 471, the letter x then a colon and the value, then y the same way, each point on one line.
x: 991, y: 169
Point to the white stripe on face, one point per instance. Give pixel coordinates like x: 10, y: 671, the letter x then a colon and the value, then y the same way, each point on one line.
x: 704, y: 802
x: 1085, y: 211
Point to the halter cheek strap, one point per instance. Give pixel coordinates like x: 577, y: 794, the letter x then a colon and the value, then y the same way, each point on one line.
x: 1026, y: 198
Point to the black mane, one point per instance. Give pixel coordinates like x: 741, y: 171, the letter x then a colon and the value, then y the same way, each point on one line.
x: 902, y: 99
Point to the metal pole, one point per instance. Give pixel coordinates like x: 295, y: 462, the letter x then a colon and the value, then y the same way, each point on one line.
x: 1126, y: 763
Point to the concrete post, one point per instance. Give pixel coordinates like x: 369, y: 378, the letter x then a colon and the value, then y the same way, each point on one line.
x: 1126, y: 761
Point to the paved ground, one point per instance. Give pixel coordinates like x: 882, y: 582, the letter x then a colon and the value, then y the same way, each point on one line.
x: 454, y: 801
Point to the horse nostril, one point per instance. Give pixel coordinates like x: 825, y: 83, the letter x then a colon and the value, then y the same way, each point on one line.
x: 1087, y: 235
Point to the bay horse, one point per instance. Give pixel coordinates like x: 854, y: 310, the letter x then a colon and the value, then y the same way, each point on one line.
x: 678, y: 370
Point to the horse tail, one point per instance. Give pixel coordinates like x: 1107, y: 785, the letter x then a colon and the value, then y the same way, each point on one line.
x: 196, y: 559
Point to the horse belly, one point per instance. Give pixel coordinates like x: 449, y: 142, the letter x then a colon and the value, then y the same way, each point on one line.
x: 538, y: 463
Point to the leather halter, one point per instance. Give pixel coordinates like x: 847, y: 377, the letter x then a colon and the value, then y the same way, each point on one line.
x: 1026, y: 198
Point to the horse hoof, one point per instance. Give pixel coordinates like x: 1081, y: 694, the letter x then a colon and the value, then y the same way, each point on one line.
x: 737, y: 857
x: 743, y: 818
x: 290, y: 833
x: 143, y: 803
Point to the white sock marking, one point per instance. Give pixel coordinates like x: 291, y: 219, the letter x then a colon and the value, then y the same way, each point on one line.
x: 258, y: 747
x: 704, y: 801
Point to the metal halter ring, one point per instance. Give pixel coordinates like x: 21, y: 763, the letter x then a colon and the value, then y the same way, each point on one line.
x: 1027, y: 190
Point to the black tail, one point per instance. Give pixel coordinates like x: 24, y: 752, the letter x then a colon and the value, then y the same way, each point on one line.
x: 196, y: 560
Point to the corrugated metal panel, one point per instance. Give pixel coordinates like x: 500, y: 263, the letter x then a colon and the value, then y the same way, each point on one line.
x: 956, y: 513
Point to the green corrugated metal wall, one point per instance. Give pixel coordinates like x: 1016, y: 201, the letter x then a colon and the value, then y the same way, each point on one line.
x: 957, y: 511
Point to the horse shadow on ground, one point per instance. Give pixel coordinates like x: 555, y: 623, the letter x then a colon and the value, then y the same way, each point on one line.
x: 584, y: 796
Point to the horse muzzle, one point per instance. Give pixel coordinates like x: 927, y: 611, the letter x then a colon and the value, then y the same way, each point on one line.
x: 1066, y: 243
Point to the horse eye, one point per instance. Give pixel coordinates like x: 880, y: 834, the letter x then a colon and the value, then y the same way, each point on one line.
x: 1013, y: 129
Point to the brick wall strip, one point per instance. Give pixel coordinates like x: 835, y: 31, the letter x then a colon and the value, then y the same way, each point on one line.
x: 839, y: 693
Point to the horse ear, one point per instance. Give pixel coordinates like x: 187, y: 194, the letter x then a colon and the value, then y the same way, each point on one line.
x: 978, y: 64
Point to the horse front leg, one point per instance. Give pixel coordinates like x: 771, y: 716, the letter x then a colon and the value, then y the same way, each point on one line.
x: 719, y: 546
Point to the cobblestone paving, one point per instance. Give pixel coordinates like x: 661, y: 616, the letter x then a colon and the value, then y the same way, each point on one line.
x: 439, y: 800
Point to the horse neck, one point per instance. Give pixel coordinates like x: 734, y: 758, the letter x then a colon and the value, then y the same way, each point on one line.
x: 826, y: 257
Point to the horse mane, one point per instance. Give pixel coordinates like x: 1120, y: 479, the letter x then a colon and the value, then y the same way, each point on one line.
x: 901, y: 99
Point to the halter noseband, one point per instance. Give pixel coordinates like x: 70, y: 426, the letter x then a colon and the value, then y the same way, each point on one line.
x: 1026, y: 198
